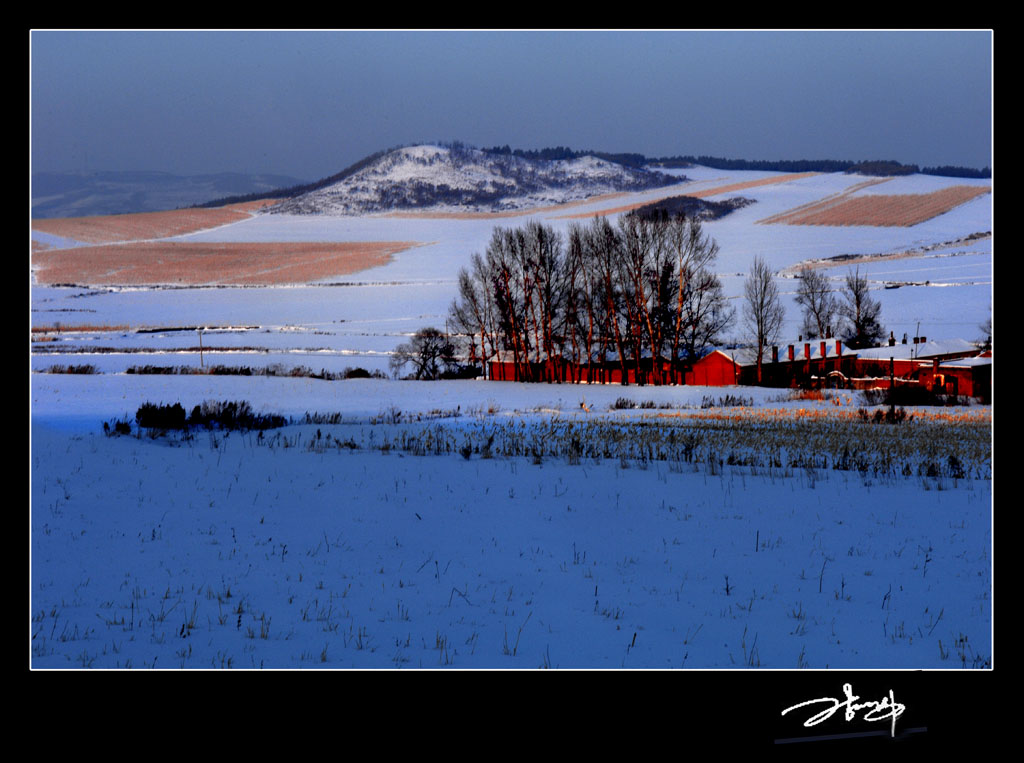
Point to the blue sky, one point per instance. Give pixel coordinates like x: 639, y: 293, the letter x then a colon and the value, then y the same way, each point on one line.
x: 308, y: 104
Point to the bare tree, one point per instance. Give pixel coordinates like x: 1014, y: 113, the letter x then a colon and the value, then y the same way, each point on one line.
x: 861, y: 313
x: 430, y: 352
x: 986, y: 331
x: 815, y: 296
x: 701, y: 311
x: 704, y: 313
x: 762, y: 312
x: 643, y: 285
x: 472, y: 314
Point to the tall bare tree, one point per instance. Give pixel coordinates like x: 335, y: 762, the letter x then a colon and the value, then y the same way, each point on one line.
x: 472, y: 313
x: 762, y: 311
x: 636, y: 287
x: 861, y: 313
x: 819, y: 304
x: 701, y: 311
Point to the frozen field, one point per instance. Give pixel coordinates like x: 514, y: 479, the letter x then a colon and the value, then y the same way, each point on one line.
x: 430, y: 525
x: 369, y: 539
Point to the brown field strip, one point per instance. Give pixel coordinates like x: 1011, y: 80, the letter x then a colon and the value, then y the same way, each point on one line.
x: 897, y: 210
x: 84, y: 327
x: 729, y: 188
x: 108, y: 229
x: 202, y: 264
x: 817, y: 206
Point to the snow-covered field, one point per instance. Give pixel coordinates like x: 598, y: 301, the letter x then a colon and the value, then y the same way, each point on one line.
x: 374, y: 541
x: 313, y: 546
x: 358, y: 319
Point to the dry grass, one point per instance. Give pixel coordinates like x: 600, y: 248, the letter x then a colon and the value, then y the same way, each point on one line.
x: 728, y: 188
x: 106, y: 229
x: 898, y: 210
x: 193, y: 264
x: 86, y: 327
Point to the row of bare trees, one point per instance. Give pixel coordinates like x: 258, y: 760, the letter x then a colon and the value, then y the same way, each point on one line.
x: 854, y: 310
x: 641, y: 288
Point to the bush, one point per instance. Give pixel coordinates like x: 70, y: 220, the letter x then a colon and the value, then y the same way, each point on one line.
x: 209, y: 415
x: 150, y: 416
x: 85, y: 368
x: 892, y: 415
x: 120, y: 426
x: 231, y: 416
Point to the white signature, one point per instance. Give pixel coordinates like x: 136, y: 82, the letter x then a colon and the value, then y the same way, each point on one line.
x: 877, y: 712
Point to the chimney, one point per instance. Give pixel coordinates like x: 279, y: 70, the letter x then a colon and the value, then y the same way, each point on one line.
x: 904, y: 338
x: 824, y: 352
x: 892, y: 339
x: 924, y: 339
x: 807, y: 351
x: 791, y: 353
x: 839, y: 347
x: 775, y: 354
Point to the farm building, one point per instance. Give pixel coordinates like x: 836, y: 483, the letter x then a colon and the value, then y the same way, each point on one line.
x: 951, y: 367
x: 967, y: 376
x: 918, y: 364
x: 798, y: 364
x: 608, y: 370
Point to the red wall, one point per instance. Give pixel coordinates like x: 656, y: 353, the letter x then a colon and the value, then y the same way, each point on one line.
x: 714, y: 370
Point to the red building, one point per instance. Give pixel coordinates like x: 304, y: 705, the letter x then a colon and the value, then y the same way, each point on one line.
x: 951, y: 367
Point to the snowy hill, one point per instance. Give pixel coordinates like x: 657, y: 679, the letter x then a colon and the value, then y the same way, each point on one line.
x: 464, y: 179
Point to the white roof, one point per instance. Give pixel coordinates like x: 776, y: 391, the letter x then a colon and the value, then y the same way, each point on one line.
x: 967, y: 362
x: 924, y: 350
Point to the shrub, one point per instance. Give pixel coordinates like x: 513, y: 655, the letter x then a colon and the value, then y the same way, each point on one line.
x: 232, y: 415
x: 892, y: 415
x: 84, y: 368
x: 120, y: 426
x: 150, y: 416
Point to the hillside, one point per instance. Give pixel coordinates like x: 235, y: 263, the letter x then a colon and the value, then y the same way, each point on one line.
x: 440, y: 178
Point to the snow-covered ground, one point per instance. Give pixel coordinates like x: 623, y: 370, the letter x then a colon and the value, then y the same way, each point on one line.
x: 294, y: 550
x: 317, y: 545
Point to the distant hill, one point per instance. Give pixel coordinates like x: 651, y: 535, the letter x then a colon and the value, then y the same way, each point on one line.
x: 451, y: 176
x: 85, y: 194
x: 457, y: 178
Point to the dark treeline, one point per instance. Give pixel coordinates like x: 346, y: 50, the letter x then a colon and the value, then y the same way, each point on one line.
x: 691, y: 206
x: 880, y: 168
x: 718, y: 163
x: 603, y: 293
x: 957, y: 172
x: 637, y: 161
